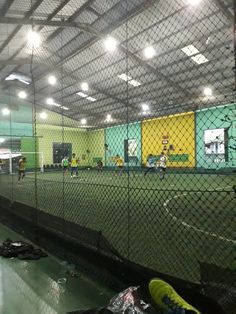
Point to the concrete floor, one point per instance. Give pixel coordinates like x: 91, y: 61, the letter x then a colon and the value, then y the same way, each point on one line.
x: 31, y: 287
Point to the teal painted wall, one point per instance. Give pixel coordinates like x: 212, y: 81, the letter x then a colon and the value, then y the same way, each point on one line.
x: 18, y: 123
x: 115, y: 136
x: 212, y: 119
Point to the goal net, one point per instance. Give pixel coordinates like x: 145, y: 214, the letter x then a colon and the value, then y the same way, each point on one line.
x: 9, y: 161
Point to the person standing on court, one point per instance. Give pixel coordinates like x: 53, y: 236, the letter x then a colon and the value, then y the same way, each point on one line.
x: 21, y: 168
x: 65, y: 164
x: 162, y: 165
x: 119, y: 164
x: 74, y: 166
x: 150, y: 164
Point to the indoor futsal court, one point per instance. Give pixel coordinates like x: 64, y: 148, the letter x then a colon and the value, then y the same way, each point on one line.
x: 118, y: 156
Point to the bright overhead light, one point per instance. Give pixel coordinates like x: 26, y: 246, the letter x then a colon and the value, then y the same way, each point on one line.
x: 5, y: 111
x: 108, y: 118
x: 2, y: 140
x: 190, y: 50
x: 84, y: 86
x: 145, y: 107
x: 34, y: 39
x: 193, y: 2
x: 22, y: 94
x: 207, y: 91
x: 91, y: 98
x: 43, y: 115
x: 110, y: 44
x: 50, y: 101
x: 83, y: 121
x: 82, y: 94
x: 52, y: 80
x: 65, y: 108
x: 199, y: 59
x: 149, y: 52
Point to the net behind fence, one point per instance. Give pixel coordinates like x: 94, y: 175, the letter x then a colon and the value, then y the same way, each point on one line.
x: 125, y: 114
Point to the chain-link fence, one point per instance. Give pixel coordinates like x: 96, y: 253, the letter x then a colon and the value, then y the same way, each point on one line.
x: 125, y: 113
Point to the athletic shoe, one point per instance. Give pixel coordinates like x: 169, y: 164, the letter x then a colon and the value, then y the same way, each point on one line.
x: 168, y: 299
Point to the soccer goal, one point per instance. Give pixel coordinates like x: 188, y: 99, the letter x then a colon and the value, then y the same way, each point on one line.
x: 9, y: 161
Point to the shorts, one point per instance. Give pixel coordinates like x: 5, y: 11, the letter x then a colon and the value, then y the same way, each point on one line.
x: 65, y: 167
x: 21, y: 172
x: 74, y: 168
x: 163, y: 169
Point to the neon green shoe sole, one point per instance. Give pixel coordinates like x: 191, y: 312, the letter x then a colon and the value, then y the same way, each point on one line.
x: 167, y: 298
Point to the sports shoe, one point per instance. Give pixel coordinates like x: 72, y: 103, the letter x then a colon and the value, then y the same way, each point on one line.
x: 168, y: 299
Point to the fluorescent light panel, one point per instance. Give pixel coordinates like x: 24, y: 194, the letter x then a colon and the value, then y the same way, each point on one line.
x: 190, y: 50
x: 82, y: 94
x: 125, y: 77
x: 199, y: 59
x: 91, y: 98
x: 129, y: 79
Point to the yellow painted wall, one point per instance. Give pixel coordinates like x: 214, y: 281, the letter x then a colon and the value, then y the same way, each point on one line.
x: 48, y: 134
x: 180, y: 131
x: 96, y: 143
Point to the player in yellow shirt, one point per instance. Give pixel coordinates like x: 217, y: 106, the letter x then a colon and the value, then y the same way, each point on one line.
x: 119, y: 164
x: 21, y: 168
x: 74, y: 166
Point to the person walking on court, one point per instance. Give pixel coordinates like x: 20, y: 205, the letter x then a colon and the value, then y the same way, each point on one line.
x: 162, y: 165
x: 21, y: 168
x: 65, y: 164
x: 119, y: 164
x: 74, y: 166
x: 150, y: 164
x: 100, y: 165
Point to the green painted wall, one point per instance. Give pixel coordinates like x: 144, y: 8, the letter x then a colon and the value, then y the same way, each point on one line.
x: 28, y: 145
x: 214, y: 118
x: 115, y: 136
x: 95, y: 146
x: 53, y: 134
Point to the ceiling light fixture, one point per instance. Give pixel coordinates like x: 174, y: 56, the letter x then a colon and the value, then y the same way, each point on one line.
x: 149, y: 52
x: 43, y: 115
x: 50, y: 101
x: 52, y: 80
x: 207, y: 91
x: 108, y: 118
x: 5, y: 111
x: 199, y: 59
x: 129, y: 79
x: 34, y: 39
x: 145, y: 107
x: 22, y: 94
x: 110, y: 43
x: 193, y: 2
x: 190, y: 50
x: 84, y: 86
x: 82, y: 94
x: 91, y: 98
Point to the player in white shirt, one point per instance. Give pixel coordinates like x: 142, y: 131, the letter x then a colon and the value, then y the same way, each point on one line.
x: 162, y: 165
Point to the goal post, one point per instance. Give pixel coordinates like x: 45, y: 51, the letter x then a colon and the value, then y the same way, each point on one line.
x: 9, y: 161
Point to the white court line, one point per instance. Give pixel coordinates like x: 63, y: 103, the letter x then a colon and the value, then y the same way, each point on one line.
x: 211, y: 234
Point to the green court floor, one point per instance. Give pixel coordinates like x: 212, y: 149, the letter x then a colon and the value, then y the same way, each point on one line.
x: 169, y: 225
x: 32, y: 286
